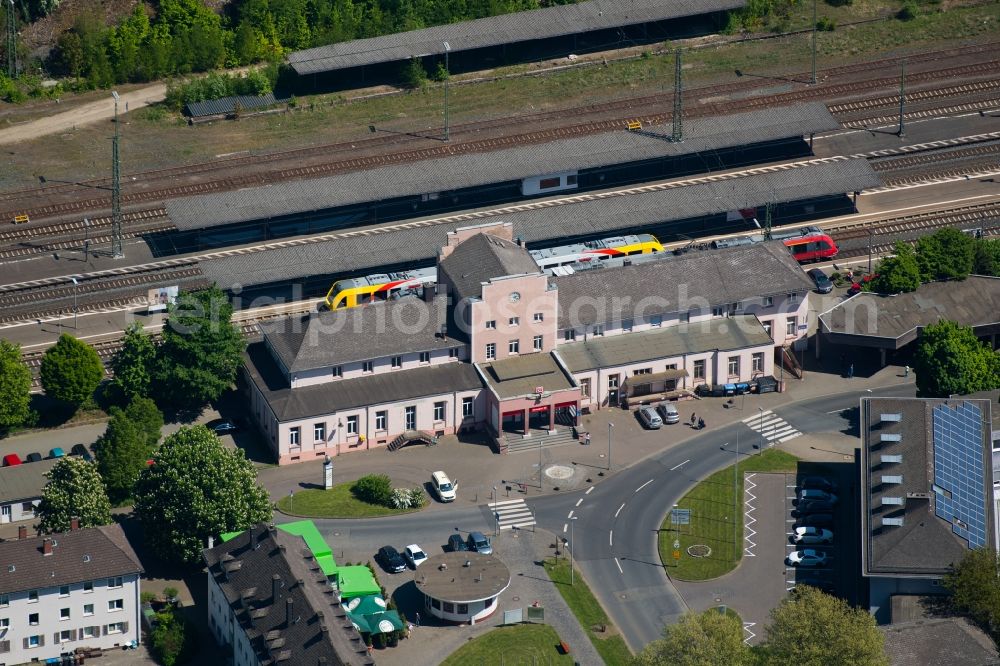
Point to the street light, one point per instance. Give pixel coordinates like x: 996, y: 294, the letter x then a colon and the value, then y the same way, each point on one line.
x: 86, y: 239
x: 75, y: 289
x: 760, y: 426
x: 814, y: 45
x: 496, y: 514
x: 572, y: 556
x: 447, y: 75
x: 610, y: 426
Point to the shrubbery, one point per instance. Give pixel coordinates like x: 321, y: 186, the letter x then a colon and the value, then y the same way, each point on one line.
x: 170, y: 640
x: 216, y: 86
x: 407, y: 498
x: 374, y: 489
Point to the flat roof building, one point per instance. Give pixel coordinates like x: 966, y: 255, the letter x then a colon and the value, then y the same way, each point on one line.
x: 462, y: 586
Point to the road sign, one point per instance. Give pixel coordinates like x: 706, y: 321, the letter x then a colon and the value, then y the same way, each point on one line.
x: 680, y: 516
x: 677, y: 544
x: 677, y: 554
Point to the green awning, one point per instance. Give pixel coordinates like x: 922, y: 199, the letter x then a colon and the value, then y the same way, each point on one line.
x: 356, y: 581
x: 314, y: 541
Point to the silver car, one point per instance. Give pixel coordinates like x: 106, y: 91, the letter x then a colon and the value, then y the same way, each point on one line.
x: 668, y: 412
x: 650, y: 418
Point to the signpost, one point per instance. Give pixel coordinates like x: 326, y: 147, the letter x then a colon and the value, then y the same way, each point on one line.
x: 677, y: 550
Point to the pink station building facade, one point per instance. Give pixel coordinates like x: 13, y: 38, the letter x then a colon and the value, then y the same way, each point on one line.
x: 498, y: 345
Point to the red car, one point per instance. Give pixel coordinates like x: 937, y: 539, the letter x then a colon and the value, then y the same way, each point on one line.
x: 11, y: 459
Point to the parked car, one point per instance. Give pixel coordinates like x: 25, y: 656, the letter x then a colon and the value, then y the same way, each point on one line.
x: 11, y: 459
x: 816, y: 494
x: 456, y: 543
x: 443, y: 486
x: 56, y: 453
x: 668, y: 412
x: 807, y: 558
x: 822, y: 282
x: 814, y: 506
x: 817, y: 482
x: 649, y: 418
x: 222, y: 426
x: 34, y: 456
x: 815, y: 520
x: 390, y: 559
x: 812, y: 535
x: 479, y: 543
x: 82, y: 451
x: 414, y: 555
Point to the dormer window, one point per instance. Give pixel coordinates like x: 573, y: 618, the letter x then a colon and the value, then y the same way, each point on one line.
x: 397, y: 362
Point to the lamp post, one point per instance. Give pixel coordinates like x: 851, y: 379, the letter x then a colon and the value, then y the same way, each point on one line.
x: 86, y: 239
x: 610, y: 427
x: 760, y: 426
x: 447, y: 72
x: 496, y: 514
x: 736, y: 494
x: 814, y: 45
x: 572, y: 555
x: 75, y: 289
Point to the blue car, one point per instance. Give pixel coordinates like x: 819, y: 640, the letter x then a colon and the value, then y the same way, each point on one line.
x: 56, y: 453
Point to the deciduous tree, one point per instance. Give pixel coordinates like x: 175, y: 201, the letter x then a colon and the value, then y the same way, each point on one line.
x: 946, y: 254
x: 71, y: 371
x: 699, y: 639
x: 975, y: 587
x: 811, y: 628
x: 196, y: 488
x: 126, y: 445
x: 950, y: 360
x: 74, y: 490
x: 133, y: 363
x: 899, y: 273
x: 15, y: 387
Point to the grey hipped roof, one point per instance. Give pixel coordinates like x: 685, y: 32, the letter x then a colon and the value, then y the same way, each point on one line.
x: 497, y: 30
x: 283, y: 601
x: 723, y: 334
x: 377, y: 330
x: 330, y: 397
x: 358, y: 251
x: 456, y: 171
x: 678, y: 284
x: 78, y: 555
x: 24, y: 482
x: 521, y: 375
x: 938, y: 641
x: 480, y: 259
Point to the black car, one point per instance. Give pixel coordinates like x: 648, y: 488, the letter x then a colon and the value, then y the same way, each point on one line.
x: 815, y: 520
x: 82, y: 451
x: 456, y: 543
x: 814, y: 506
x: 817, y: 483
x: 34, y: 457
x: 822, y: 282
x: 222, y: 426
x: 390, y: 559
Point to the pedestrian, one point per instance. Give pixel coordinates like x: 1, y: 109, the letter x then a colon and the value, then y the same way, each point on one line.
x: 417, y: 618
x: 906, y: 371
x: 701, y: 424
x: 587, y: 439
x: 694, y: 418
x: 850, y: 371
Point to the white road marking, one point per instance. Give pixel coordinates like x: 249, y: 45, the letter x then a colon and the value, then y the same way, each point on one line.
x: 565, y: 527
x: 588, y: 490
x: 619, y: 509
x: 579, y: 501
x: 512, y: 513
x: 611, y: 538
x: 570, y: 516
x: 748, y: 499
x: 619, y: 566
x: 678, y: 466
x: 650, y: 481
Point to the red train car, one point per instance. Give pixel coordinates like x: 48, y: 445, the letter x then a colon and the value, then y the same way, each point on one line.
x: 811, y: 247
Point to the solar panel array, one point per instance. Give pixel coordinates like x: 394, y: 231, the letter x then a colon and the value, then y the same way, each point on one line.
x: 959, y: 485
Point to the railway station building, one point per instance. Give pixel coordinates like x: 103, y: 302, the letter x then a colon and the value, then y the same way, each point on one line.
x: 498, y: 345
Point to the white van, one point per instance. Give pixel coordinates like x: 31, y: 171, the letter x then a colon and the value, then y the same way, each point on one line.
x: 443, y: 486
x: 650, y: 418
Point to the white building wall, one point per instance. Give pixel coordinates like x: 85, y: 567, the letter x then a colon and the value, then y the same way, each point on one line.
x: 48, y: 632
x: 13, y: 512
x: 225, y: 628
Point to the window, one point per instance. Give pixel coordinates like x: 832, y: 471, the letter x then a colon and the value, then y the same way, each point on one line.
x: 545, y: 184
x: 33, y: 619
x: 642, y: 371
x: 352, y: 425
x: 397, y: 361
x: 410, y: 418
x: 34, y: 641
x: 88, y: 586
x: 4, y: 624
x: 571, y: 179
x: 626, y: 325
x: 463, y: 609
x: 538, y: 316
x: 536, y: 343
x: 468, y: 406
x: 337, y: 371
x: 27, y: 508
x: 585, y: 387
x: 293, y: 440
x: 116, y: 605
x: 699, y: 369
x: 453, y: 352
x: 64, y: 591
x: 734, y: 366
x: 381, y: 419
x: 33, y: 596
x: 425, y: 357
x: 491, y: 351
x: 569, y: 335
x: 88, y: 609
x: 4, y: 600
x: 368, y: 367
x: 514, y: 346
x: 439, y: 411
x: 793, y: 298
x: 684, y: 317
x: 718, y: 312
x: 598, y: 331
x: 116, y: 627
x: 513, y: 321
x: 65, y: 636
x: 791, y: 325
x: 64, y: 614
x: 319, y: 432
x: 767, y: 301
x: 115, y: 582
x: 448, y: 607
x: 757, y: 362
x: 656, y: 321
x: 89, y: 632
x: 492, y: 323
x: 767, y: 326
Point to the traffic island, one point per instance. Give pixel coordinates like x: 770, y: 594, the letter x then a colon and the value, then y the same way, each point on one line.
x: 337, y: 502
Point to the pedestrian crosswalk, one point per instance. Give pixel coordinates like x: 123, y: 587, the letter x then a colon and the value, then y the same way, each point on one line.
x: 512, y: 513
x: 771, y: 427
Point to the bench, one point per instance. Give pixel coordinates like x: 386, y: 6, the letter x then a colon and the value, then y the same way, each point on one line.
x: 634, y: 126
x: 564, y: 647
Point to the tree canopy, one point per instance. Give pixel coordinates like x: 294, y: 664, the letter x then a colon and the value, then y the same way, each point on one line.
x: 201, y: 350
x: 127, y: 443
x: 196, y: 488
x: 950, y: 360
x: 74, y: 490
x: 15, y: 387
x: 810, y: 628
x: 947, y: 254
x: 975, y: 588
x: 899, y: 273
x: 699, y: 639
x: 71, y: 371
x: 133, y: 362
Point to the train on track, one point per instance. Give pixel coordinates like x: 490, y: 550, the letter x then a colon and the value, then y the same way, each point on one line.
x: 382, y: 286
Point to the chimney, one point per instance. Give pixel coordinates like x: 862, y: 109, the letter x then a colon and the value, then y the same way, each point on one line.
x: 430, y: 291
x: 275, y: 586
x: 211, y: 542
x: 46, y: 547
x: 520, y: 241
x: 322, y: 661
x: 22, y: 531
x: 74, y: 524
x: 288, y: 612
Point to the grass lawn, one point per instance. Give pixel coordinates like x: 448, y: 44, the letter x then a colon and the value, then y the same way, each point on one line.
x: 520, y: 645
x: 589, y: 613
x: 712, y: 516
x: 338, y: 502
